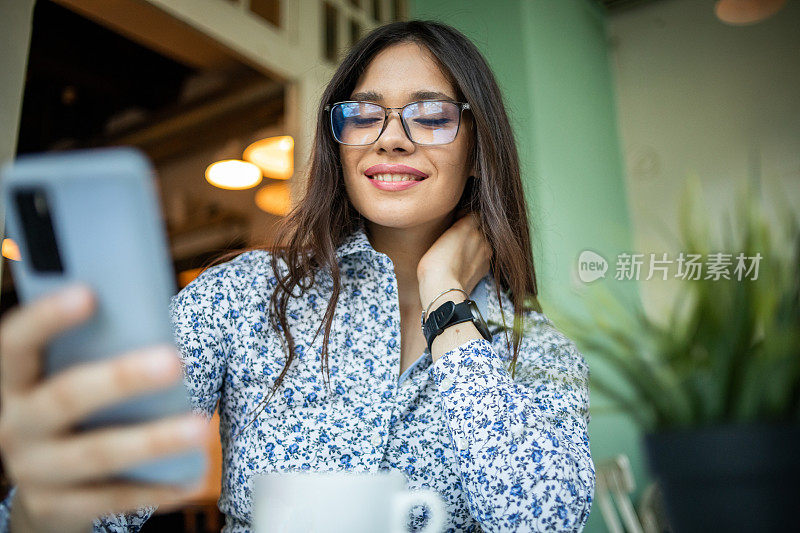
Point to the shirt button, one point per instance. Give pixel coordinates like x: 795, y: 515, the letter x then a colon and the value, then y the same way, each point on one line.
x: 517, y: 429
x: 377, y: 440
x: 447, y: 382
x: 461, y: 443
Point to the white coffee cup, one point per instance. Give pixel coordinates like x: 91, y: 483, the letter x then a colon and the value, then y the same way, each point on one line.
x: 333, y: 502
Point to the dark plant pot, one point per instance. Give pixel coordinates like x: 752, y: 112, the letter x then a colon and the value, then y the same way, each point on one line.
x: 729, y: 478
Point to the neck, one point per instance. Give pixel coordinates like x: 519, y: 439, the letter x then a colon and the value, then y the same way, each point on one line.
x: 405, y: 247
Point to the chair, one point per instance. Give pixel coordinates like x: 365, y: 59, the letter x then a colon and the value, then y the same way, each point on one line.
x: 614, y: 485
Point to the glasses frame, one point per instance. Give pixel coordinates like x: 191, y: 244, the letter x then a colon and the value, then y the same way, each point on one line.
x: 387, y: 112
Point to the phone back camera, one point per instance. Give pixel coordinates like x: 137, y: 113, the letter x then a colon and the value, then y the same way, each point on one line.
x: 37, y: 229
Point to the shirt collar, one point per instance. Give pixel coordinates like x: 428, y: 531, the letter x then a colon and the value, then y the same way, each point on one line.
x: 356, y: 242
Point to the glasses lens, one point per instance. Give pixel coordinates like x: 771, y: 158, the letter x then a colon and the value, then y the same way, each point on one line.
x: 432, y: 122
x: 357, y: 122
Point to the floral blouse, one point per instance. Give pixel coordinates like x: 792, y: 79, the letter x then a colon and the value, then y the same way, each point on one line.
x: 504, y: 454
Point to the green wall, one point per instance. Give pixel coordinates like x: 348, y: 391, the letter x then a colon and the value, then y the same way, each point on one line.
x: 551, y: 61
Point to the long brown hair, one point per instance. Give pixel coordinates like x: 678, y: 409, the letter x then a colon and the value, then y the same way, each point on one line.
x: 316, y: 226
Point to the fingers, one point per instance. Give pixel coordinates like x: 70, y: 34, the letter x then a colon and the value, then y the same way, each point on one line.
x: 105, y: 452
x: 84, y: 503
x: 62, y: 402
x: 25, y: 330
x: 50, y: 465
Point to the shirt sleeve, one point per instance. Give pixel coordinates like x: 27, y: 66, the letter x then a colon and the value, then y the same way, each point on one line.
x: 521, y: 444
x: 201, y: 314
x: 202, y: 317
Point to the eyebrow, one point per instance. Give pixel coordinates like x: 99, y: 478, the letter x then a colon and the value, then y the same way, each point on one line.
x: 372, y: 96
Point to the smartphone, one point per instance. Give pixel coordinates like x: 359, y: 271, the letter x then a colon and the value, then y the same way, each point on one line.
x: 93, y: 216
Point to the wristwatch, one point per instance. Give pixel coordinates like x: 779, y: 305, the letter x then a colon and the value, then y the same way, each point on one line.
x: 448, y: 314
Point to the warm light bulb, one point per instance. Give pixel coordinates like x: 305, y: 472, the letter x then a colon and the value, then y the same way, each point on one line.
x: 274, y: 199
x: 742, y: 12
x: 233, y: 174
x: 273, y: 155
x: 10, y: 250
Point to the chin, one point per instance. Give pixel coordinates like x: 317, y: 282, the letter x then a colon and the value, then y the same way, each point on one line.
x: 407, y: 221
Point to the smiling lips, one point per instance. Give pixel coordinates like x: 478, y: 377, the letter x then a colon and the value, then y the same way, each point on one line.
x: 395, y: 170
x: 394, y: 177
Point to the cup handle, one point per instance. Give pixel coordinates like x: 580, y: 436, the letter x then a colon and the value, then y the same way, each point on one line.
x: 404, y: 501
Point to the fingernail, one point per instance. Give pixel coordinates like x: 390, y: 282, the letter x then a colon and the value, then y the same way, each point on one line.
x: 74, y: 298
x: 160, y: 364
x: 194, y: 430
x: 194, y: 489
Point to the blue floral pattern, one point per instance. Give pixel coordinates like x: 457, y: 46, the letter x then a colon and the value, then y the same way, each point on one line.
x: 504, y: 454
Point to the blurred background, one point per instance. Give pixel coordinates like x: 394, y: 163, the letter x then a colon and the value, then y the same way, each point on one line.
x: 615, y: 103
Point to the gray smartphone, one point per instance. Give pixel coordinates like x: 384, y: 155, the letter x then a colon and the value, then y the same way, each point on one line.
x: 93, y: 216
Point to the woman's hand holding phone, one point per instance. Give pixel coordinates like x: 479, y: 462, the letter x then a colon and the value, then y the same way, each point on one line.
x: 62, y: 477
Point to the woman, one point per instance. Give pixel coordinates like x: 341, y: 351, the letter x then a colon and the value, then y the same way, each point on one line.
x: 498, y: 431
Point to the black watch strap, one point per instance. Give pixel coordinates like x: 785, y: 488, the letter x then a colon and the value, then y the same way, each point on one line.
x: 450, y: 313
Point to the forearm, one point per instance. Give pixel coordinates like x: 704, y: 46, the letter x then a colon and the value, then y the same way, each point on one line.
x: 453, y: 337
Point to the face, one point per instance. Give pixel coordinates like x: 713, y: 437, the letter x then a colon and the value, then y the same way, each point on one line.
x: 395, y: 73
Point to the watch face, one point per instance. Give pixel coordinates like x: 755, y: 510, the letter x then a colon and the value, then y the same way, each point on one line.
x: 478, y: 320
x: 476, y: 313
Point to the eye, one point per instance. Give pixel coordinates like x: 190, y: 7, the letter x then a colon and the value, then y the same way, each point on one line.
x: 358, y: 121
x: 433, y: 122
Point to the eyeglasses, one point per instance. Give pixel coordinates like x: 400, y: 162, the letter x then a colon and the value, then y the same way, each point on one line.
x: 425, y: 122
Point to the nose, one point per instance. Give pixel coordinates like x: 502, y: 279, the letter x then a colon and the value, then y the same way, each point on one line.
x: 394, y: 136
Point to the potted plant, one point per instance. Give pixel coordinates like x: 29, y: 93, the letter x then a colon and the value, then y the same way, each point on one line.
x: 714, y: 386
